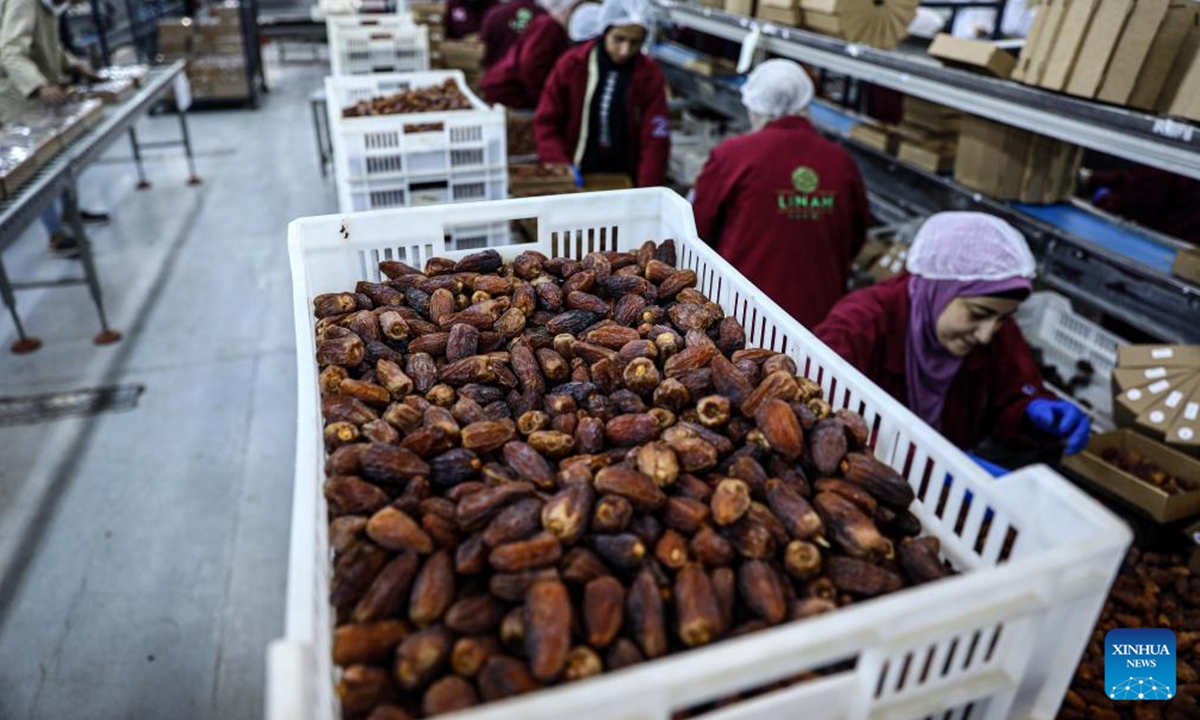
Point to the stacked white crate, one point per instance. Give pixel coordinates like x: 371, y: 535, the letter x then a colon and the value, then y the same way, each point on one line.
x: 417, y: 159
x: 999, y: 641
x: 365, y: 44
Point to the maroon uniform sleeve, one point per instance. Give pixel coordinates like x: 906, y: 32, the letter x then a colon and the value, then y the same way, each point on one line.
x: 491, y: 33
x: 655, y: 140
x: 550, y: 118
x: 1015, y: 381
x: 852, y: 329
x: 539, y: 52
x: 713, y: 188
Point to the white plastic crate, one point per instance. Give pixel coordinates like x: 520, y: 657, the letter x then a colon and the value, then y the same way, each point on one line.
x: 1065, y: 337
x: 365, y: 44
x: 1002, y: 640
x: 416, y: 158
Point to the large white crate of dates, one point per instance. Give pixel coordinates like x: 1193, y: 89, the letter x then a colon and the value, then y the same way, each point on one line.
x: 414, y: 159
x: 1000, y: 640
x: 365, y: 44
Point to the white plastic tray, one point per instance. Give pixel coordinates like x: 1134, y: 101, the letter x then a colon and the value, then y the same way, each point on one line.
x: 1050, y: 323
x: 365, y: 44
x: 1000, y: 641
x: 416, y: 158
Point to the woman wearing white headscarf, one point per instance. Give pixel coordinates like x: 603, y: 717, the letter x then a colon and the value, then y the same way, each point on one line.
x: 940, y: 337
x: 604, y: 108
x: 516, y: 80
x: 782, y: 204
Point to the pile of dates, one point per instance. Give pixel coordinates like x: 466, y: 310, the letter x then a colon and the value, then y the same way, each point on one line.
x: 1153, y: 590
x: 434, y: 98
x: 1132, y: 462
x: 549, y: 469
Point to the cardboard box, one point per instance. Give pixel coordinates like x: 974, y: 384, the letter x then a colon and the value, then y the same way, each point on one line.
x: 1186, y: 103
x: 934, y: 159
x: 1184, y: 61
x: 793, y: 17
x: 175, y: 37
x: 1131, y: 403
x: 1184, y: 434
x: 1160, y: 417
x: 1187, y: 265
x: 781, y: 4
x: 740, y: 7
x: 1065, y: 51
x: 1035, y: 56
x: 824, y: 23
x: 937, y: 119
x: 1156, y: 355
x: 973, y: 55
x: 1098, y: 47
x: 1132, y: 50
x: 875, y: 136
x: 1125, y: 378
x: 1008, y: 163
x: 1182, y: 17
x: 891, y: 264
x: 1141, y: 494
x: 829, y: 7
x: 942, y: 142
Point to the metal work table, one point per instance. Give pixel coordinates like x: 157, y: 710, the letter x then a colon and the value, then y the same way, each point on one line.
x: 59, y: 178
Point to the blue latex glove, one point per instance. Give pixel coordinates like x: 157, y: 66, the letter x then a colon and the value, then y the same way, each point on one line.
x: 1061, y: 419
x: 578, y: 176
x: 993, y: 469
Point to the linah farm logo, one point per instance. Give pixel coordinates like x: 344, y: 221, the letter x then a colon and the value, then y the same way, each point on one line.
x: 520, y: 20
x: 804, y: 201
x: 1139, y: 664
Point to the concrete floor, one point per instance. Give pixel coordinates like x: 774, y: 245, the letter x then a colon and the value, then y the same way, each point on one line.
x: 143, y: 553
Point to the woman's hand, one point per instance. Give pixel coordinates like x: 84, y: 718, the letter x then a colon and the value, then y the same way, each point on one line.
x: 1062, y: 419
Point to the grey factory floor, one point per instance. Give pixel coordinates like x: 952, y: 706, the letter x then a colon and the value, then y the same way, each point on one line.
x: 143, y: 552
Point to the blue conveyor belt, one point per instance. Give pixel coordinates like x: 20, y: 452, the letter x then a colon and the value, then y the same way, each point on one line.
x: 1124, y: 241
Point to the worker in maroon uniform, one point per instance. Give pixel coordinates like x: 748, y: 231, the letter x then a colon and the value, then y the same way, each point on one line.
x: 604, y: 107
x: 783, y: 205
x: 465, y: 17
x: 503, y: 24
x: 516, y: 81
x: 940, y: 338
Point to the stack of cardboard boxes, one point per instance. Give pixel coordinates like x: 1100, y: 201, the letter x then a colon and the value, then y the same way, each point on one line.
x: 877, y: 23
x: 466, y: 55
x: 741, y: 7
x: 928, y: 135
x: 214, y: 50
x: 1156, y: 390
x: 432, y: 15
x: 1138, y: 53
x: 1008, y: 163
x: 781, y: 12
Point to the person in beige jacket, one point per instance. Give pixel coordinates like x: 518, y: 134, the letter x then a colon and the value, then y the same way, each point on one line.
x: 35, y: 67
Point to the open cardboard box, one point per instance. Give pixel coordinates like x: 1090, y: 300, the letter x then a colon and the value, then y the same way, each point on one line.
x: 1156, y: 503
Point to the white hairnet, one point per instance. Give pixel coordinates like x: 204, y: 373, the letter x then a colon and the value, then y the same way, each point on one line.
x: 555, y: 6
x: 585, y: 22
x: 777, y: 88
x: 969, y: 246
x: 625, y: 12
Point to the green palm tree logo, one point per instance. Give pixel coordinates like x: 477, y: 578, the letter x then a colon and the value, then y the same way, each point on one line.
x: 805, y: 180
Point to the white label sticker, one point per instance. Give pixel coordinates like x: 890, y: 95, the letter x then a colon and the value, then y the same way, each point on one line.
x: 1160, y: 386
x: 1134, y: 395
x: 1155, y: 373
x: 1174, y: 399
x: 1162, y: 353
x: 1191, y: 410
x: 1157, y: 417
x: 1186, y: 434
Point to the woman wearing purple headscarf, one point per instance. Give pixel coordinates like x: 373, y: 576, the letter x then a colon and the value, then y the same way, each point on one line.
x: 939, y: 337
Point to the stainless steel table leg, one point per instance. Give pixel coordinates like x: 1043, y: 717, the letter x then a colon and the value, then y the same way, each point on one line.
x: 71, y: 213
x: 143, y: 183
x: 193, y: 178
x: 24, y: 344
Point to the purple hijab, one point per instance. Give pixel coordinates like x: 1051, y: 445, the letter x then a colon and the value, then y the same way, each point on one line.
x: 929, y: 367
